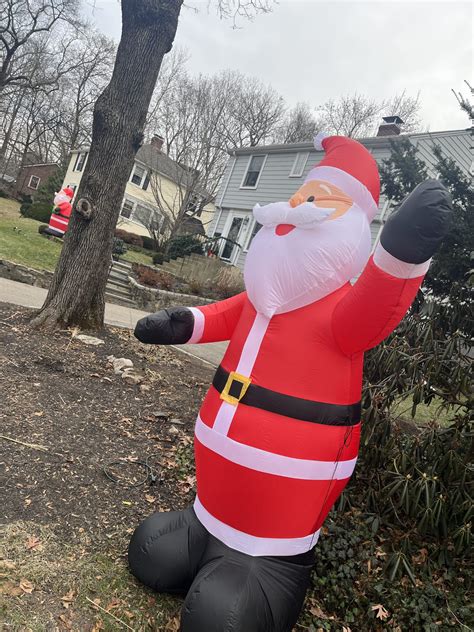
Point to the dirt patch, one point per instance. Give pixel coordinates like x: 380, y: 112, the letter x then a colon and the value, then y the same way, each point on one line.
x: 62, y: 397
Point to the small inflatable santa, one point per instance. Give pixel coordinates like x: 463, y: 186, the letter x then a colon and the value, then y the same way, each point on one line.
x: 277, y: 437
x: 59, y: 220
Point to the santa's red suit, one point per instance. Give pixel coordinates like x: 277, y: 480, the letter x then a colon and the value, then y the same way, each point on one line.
x: 277, y: 437
x: 59, y: 220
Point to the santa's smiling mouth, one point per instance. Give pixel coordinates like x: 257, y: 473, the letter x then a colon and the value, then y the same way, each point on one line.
x: 284, y: 229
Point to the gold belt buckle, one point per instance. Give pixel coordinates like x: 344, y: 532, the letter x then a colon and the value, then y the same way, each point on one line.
x: 240, y: 379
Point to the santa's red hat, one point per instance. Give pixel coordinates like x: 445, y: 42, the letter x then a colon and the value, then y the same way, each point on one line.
x: 69, y: 192
x: 351, y: 167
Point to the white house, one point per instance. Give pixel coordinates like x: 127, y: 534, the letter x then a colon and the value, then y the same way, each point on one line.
x: 154, y: 174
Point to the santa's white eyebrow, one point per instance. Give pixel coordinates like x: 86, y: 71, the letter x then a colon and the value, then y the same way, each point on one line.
x: 325, y: 188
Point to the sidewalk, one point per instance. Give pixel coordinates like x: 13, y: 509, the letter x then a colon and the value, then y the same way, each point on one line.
x: 115, y: 315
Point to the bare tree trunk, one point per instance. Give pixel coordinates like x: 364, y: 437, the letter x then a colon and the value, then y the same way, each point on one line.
x: 77, y: 292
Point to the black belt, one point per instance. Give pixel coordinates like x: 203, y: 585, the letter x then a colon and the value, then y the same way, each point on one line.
x: 237, y: 389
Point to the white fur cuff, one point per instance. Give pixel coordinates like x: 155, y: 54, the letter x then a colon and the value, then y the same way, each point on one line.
x: 399, y: 269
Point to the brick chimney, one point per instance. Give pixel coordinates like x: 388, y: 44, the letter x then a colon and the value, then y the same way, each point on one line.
x: 391, y: 126
x: 157, y: 142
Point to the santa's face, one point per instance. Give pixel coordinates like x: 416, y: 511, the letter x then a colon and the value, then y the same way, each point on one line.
x: 60, y: 198
x: 308, y: 248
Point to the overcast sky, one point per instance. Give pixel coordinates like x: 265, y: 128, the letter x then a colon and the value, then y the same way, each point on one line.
x: 312, y: 51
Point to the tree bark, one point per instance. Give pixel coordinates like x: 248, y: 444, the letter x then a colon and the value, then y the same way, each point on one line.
x: 77, y: 292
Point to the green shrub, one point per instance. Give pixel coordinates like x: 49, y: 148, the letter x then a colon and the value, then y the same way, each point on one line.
x: 183, y: 245
x: 40, y: 211
x: 159, y: 258
x: 118, y: 247
x: 3, y: 194
x: 149, y: 243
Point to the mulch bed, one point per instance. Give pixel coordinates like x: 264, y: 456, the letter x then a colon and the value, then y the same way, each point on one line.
x: 64, y: 395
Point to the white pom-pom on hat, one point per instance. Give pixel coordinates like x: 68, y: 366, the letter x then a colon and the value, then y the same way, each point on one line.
x: 318, y: 140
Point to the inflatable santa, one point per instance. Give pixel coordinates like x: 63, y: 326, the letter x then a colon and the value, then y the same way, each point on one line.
x: 277, y: 437
x: 59, y: 221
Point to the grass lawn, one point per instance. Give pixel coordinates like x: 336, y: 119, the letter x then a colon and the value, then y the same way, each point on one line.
x: 133, y: 256
x: 20, y: 241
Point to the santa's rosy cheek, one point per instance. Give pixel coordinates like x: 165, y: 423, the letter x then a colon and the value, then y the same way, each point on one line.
x: 284, y: 229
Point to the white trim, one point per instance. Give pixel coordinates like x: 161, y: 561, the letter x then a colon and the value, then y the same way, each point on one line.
x: 350, y: 185
x: 293, y: 173
x: 250, y: 350
x: 270, y: 463
x: 252, y: 345
x: 251, y: 544
x: 198, y: 330
x: 145, y: 171
x: 61, y: 220
x: 29, y: 183
x: 399, y: 269
x: 245, y: 249
x: 265, y: 156
x: 225, y: 232
x: 380, y: 219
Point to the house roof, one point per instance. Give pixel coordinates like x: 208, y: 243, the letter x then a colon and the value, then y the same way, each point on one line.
x: 370, y: 142
x: 152, y: 158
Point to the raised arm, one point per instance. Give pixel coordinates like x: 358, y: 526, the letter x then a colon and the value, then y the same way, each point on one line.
x: 380, y: 298
x: 181, y: 325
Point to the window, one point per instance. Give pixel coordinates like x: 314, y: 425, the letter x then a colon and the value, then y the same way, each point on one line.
x: 193, y: 204
x: 142, y: 215
x: 34, y: 182
x: 138, y: 175
x: 255, y: 228
x: 80, y: 161
x: 254, y: 170
x: 299, y: 165
x: 127, y: 209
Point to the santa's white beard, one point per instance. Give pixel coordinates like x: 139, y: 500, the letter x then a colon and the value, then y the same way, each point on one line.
x: 286, y: 272
x: 61, y: 197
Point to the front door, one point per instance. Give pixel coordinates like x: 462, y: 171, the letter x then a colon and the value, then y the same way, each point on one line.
x: 232, y: 232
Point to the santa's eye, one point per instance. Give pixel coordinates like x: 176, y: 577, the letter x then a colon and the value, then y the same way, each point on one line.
x: 310, y: 199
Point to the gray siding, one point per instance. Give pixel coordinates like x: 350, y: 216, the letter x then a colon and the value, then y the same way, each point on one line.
x: 276, y: 184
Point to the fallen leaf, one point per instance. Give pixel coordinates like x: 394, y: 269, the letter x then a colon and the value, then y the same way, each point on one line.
x: 40, y: 413
x: 149, y: 498
x: 126, y: 502
x: 113, y: 604
x: 381, y: 612
x: 26, y: 586
x: 33, y: 542
x: 65, y: 621
x: 10, y: 589
x: 27, y: 502
x: 68, y: 598
x: 98, y: 625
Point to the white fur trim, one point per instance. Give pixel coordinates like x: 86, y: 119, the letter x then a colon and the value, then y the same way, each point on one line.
x: 399, y: 269
x: 198, y: 326
x: 270, y: 463
x: 251, y: 544
x: 350, y: 185
x: 318, y: 140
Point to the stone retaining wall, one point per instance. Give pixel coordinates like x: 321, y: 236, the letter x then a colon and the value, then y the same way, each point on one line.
x: 23, y: 274
x: 152, y: 299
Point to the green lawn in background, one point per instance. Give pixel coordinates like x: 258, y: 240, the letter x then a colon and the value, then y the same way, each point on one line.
x: 133, y: 256
x: 20, y: 241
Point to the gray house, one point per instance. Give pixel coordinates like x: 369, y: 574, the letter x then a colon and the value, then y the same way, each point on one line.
x: 274, y: 172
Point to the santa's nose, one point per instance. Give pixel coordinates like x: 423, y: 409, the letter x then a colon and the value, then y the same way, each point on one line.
x: 296, y: 200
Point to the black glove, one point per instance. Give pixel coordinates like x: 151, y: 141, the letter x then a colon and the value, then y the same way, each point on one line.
x: 415, y: 230
x: 172, y: 326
